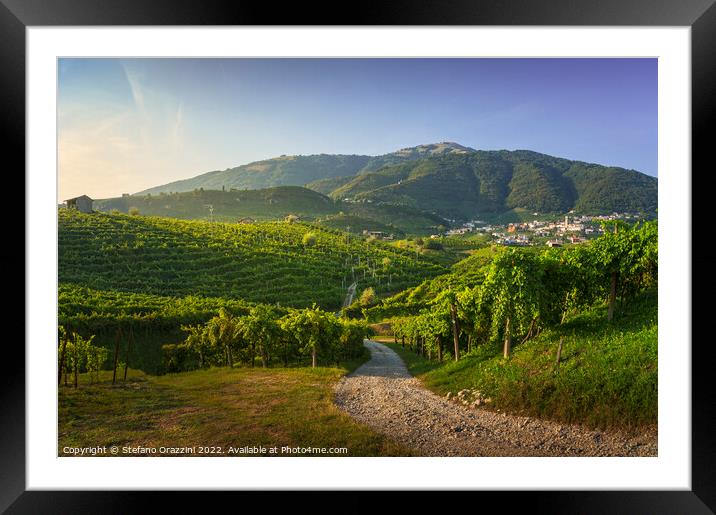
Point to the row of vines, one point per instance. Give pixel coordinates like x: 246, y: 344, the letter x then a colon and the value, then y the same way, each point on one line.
x: 292, y: 264
x: 520, y: 293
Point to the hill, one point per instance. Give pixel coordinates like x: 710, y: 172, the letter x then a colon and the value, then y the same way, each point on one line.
x: 300, y: 170
x: 265, y: 262
x: 273, y: 204
x: 445, y: 180
x: 229, y: 206
x: 472, y: 184
x: 357, y: 224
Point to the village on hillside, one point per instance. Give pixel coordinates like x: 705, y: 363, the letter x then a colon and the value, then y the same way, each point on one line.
x: 572, y: 229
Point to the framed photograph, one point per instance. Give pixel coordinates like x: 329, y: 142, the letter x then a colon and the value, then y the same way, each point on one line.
x: 413, y: 250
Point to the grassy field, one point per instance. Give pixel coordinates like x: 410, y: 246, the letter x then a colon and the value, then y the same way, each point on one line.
x: 607, y: 376
x: 219, y: 408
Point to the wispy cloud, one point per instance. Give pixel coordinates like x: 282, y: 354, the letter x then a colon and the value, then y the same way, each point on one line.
x: 136, y: 88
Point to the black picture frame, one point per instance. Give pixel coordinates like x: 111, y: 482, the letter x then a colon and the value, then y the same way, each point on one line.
x: 700, y: 15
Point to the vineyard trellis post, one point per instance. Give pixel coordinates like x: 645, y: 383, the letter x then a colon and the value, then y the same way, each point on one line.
x: 116, y: 354
x: 559, y: 354
x: 508, y: 339
x: 129, y: 349
x: 455, y: 330
x: 62, y: 356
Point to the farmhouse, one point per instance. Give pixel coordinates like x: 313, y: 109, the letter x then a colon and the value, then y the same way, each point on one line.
x: 82, y: 204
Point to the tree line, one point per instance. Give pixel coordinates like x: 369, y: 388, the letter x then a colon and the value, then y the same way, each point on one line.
x: 264, y: 335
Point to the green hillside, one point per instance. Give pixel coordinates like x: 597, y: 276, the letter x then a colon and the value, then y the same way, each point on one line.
x: 326, y: 186
x: 357, y: 224
x: 229, y: 206
x: 300, y: 170
x: 443, y: 180
x: 473, y: 184
x: 268, y: 262
x: 272, y: 204
x: 279, y: 171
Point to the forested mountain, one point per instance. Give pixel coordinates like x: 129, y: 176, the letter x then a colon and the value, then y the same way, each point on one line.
x: 300, y: 170
x: 443, y: 179
x: 472, y: 184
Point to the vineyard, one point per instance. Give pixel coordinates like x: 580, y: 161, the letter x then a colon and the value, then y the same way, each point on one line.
x: 520, y: 293
x: 154, y: 275
x: 261, y: 263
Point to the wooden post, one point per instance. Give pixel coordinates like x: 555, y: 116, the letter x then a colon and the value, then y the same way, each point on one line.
x: 612, y: 296
x: 76, y: 367
x: 559, y: 353
x: 62, y: 358
x: 129, y: 349
x: 116, y: 355
x: 508, y: 339
x: 455, y: 330
x: 529, y: 332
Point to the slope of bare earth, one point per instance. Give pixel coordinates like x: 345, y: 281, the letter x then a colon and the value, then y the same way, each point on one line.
x: 383, y: 395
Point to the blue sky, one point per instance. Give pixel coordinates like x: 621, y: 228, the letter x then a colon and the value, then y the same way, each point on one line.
x: 129, y: 124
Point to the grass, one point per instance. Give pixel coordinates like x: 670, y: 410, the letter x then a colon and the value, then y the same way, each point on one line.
x: 220, y: 407
x: 607, y: 376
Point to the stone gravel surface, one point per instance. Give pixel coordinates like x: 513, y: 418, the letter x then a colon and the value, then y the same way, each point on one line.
x: 382, y: 394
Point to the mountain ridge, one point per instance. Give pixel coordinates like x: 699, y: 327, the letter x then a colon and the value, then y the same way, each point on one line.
x: 445, y: 179
x: 297, y: 170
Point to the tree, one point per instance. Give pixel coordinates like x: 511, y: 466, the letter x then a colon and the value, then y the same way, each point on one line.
x: 433, y: 244
x: 514, y: 289
x: 314, y: 330
x: 221, y: 334
x: 198, y: 342
x: 447, y: 301
x: 95, y: 360
x: 260, y: 328
x: 309, y: 239
x: 134, y: 211
x: 626, y: 260
x: 367, y: 297
x: 353, y: 332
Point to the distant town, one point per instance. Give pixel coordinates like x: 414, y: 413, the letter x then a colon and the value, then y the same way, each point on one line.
x: 554, y: 233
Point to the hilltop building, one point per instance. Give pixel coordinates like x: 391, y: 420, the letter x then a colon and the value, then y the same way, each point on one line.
x: 83, y: 204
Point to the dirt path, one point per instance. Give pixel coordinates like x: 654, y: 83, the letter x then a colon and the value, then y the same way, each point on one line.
x: 382, y: 394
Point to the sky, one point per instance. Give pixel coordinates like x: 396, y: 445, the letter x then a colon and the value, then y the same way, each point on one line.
x: 125, y: 125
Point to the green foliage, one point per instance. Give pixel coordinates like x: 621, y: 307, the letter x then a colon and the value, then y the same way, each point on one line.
x: 441, y: 179
x: 356, y: 224
x: 367, y: 297
x: 77, y: 355
x: 607, y: 377
x: 520, y: 293
x: 309, y: 239
x: 514, y: 290
x: 433, y: 244
x: 262, y: 263
x: 479, y: 183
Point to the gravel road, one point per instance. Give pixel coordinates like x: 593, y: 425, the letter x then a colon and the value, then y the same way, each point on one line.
x: 383, y: 395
